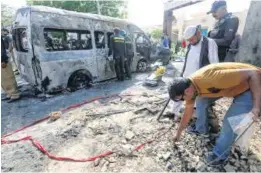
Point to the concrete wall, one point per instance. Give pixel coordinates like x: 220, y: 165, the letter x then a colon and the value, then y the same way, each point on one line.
x: 250, y: 48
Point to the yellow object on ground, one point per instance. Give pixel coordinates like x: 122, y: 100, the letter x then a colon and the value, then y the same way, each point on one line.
x: 160, y: 71
x: 8, y: 82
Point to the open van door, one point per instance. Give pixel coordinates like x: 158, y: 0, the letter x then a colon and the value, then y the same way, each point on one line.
x: 28, y: 64
x: 105, y: 66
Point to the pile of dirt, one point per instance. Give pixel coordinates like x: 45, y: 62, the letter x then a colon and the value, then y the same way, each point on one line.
x: 120, y: 124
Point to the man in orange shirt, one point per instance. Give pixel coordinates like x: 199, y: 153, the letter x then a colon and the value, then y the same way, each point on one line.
x: 238, y: 80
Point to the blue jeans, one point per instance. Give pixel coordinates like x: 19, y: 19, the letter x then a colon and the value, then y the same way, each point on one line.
x: 242, y: 103
x: 202, y: 104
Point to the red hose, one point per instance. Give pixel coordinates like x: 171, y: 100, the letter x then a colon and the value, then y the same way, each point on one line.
x: 51, y: 156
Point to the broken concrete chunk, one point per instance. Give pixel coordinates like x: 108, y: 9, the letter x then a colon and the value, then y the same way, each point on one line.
x: 139, y: 110
x: 237, y: 163
x: 127, y: 149
x: 230, y: 168
x: 96, y: 162
x: 55, y: 115
x: 124, y: 141
x: 243, y: 157
x: 112, y: 165
x: 159, y: 156
x: 200, y: 165
x: 166, y: 156
x: 129, y: 135
x: 111, y: 159
x: 145, y: 94
x: 105, y: 166
x: 255, y: 168
x: 232, y: 161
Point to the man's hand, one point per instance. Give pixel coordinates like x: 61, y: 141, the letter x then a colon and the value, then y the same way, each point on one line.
x: 256, y: 113
x: 3, y: 65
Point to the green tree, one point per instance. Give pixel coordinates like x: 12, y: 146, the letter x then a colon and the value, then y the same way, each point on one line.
x: 156, y: 33
x: 114, y: 8
x: 6, y: 15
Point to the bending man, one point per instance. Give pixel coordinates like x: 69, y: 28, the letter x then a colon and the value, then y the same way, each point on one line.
x: 238, y: 80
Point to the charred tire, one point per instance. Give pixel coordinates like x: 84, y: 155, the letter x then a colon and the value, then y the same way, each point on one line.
x: 78, y: 80
x: 142, y: 66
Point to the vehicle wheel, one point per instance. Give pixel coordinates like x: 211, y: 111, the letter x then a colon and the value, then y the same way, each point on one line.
x: 78, y: 81
x: 142, y: 66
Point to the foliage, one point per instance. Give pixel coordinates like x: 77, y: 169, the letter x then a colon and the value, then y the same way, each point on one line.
x: 6, y: 15
x: 156, y: 33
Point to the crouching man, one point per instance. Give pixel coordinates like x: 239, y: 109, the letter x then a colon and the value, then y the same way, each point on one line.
x: 238, y: 80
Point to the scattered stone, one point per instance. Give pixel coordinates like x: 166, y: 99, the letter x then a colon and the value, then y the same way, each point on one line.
x: 112, y: 165
x: 129, y: 135
x: 169, y: 166
x: 229, y: 168
x: 166, y: 156
x: 209, y: 168
x: 232, y: 161
x: 55, y: 115
x: 251, y: 161
x: 111, y: 160
x: 253, y: 168
x: 243, y: 162
x: 145, y: 94
x: 153, y: 111
x: 243, y: 157
x: 127, y: 150
x: 193, y: 164
x: 124, y: 141
x: 97, y: 162
x: 139, y: 110
x: 159, y: 156
x: 105, y: 166
x: 237, y: 163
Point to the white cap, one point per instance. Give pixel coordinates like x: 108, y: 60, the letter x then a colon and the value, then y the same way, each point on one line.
x: 190, y: 31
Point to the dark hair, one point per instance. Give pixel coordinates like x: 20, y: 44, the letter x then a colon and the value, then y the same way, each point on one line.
x: 116, y: 30
x: 178, y: 86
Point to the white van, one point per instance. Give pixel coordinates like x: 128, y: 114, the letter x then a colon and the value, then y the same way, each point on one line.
x: 57, y: 48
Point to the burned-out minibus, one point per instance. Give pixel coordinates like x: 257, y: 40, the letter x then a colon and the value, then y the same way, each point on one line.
x: 57, y: 48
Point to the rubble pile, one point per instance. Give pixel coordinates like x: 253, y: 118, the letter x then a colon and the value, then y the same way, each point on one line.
x: 120, y: 124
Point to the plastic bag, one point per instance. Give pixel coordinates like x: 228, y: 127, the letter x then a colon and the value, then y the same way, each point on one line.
x: 239, y: 124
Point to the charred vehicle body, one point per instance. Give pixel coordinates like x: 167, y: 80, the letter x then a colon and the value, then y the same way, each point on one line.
x: 56, y: 48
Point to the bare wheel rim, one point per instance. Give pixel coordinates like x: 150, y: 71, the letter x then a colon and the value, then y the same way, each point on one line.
x: 80, y: 81
x: 142, y: 66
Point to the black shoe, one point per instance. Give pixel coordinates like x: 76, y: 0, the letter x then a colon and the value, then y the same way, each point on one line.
x: 13, y: 100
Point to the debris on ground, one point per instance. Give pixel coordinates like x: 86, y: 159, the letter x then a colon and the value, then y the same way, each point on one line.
x: 55, y: 115
x: 80, y: 134
x: 120, y: 124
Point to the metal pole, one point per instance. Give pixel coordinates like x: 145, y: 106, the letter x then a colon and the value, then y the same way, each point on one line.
x: 162, y: 111
x: 98, y: 7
